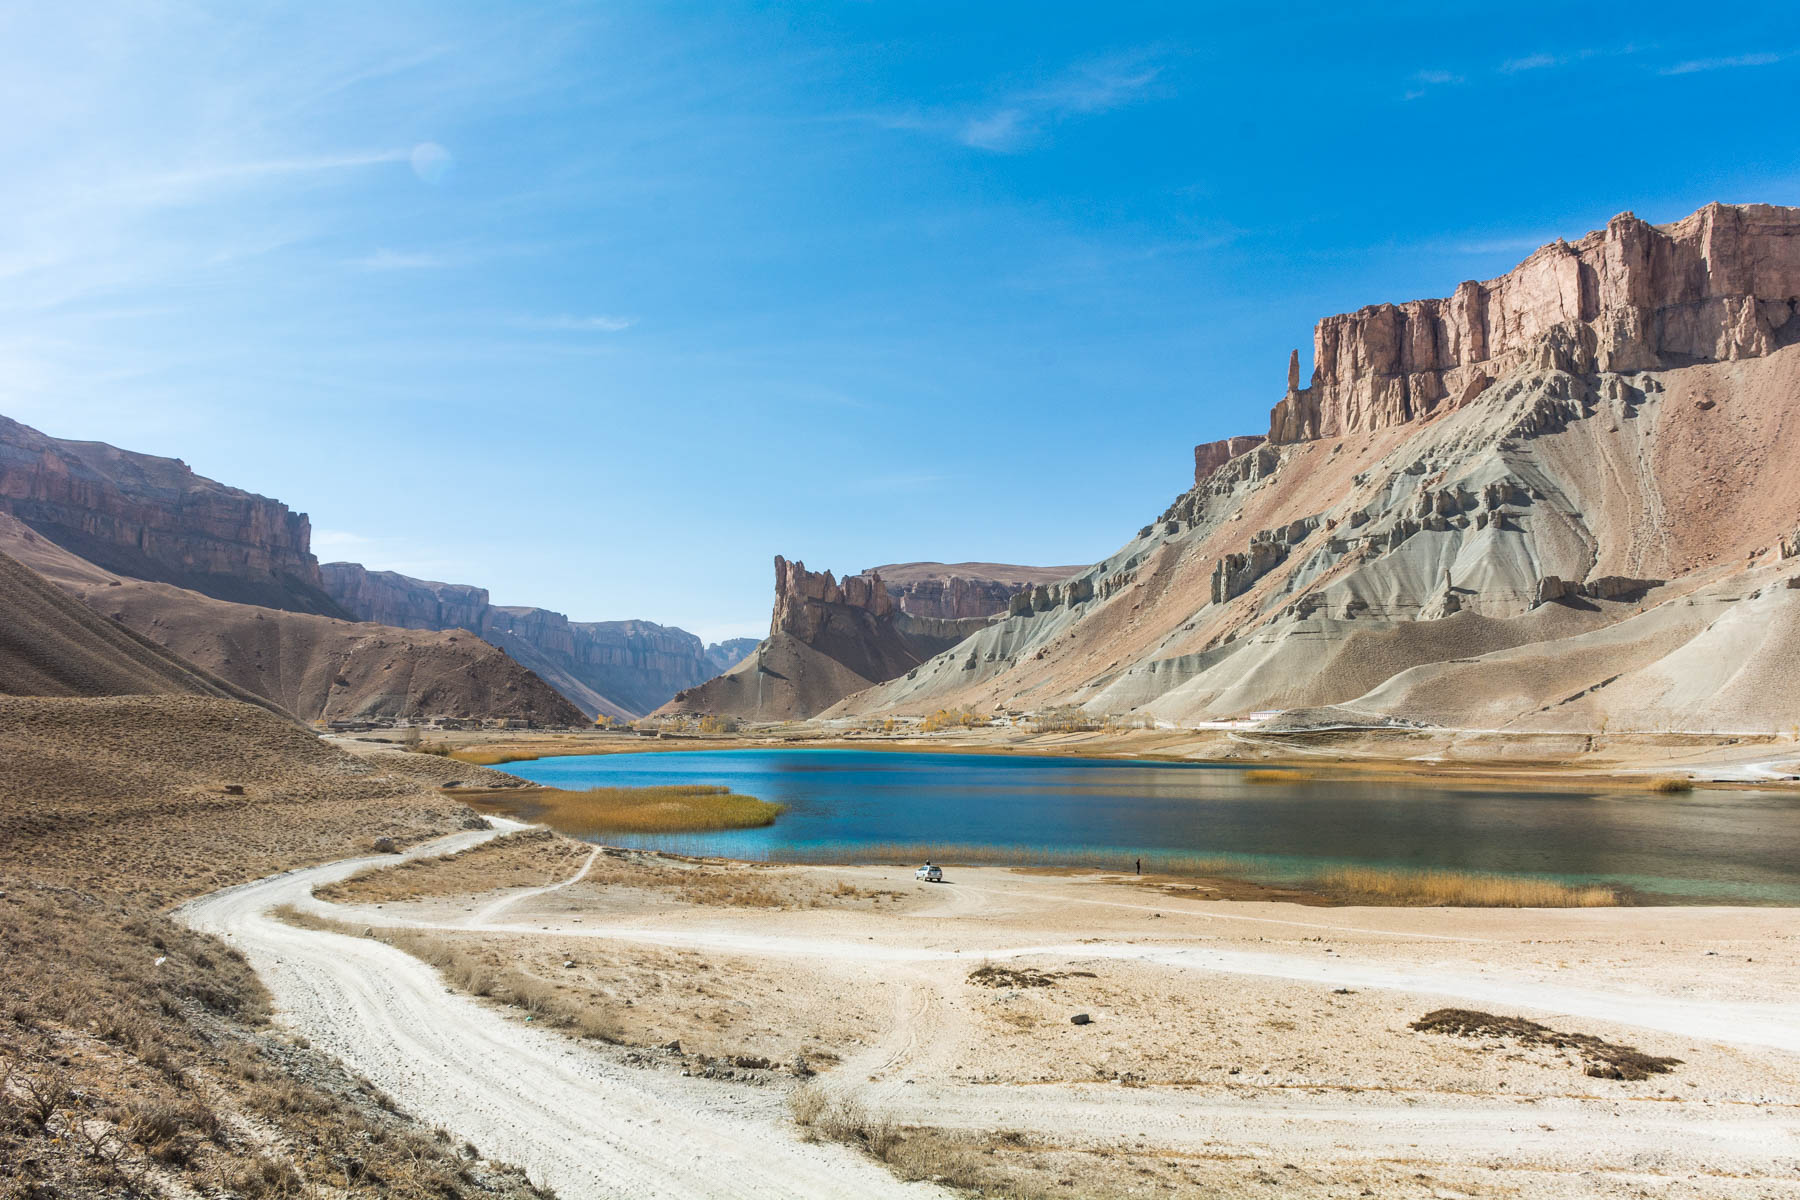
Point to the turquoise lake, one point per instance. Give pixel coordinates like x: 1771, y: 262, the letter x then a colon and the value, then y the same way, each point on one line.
x: 851, y: 805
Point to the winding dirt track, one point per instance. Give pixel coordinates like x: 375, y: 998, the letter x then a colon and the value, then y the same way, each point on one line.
x: 590, y: 1126
x: 572, y: 1118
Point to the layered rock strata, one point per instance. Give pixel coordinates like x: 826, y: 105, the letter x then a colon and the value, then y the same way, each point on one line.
x: 827, y: 639
x: 154, y: 518
x: 1721, y: 285
x: 1559, y: 500
x: 961, y: 591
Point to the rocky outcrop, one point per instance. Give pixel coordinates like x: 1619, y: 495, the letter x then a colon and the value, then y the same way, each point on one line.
x: 827, y: 639
x: 1210, y: 456
x: 962, y: 591
x: 154, y: 518
x: 1720, y: 285
x: 620, y: 669
x: 1562, y: 500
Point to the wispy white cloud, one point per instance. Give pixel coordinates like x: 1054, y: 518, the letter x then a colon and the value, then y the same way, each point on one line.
x: 599, y: 323
x: 1428, y: 79
x: 1693, y: 65
x: 1022, y: 116
x: 200, y: 181
x: 385, y: 259
x: 1530, y: 62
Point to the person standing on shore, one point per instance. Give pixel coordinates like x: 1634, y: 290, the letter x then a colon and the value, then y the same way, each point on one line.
x: 1140, y: 866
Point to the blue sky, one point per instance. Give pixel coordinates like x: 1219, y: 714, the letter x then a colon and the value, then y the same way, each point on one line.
x: 602, y: 306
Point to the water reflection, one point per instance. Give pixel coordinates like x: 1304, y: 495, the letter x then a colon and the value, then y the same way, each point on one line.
x: 1733, y: 846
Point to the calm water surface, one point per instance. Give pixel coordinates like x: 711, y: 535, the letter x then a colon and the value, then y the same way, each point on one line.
x: 1726, y: 846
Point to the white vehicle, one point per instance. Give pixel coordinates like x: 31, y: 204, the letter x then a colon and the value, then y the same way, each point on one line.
x: 930, y: 873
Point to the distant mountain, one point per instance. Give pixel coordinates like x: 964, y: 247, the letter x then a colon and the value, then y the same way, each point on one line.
x: 140, y: 517
x: 315, y: 667
x: 621, y: 669
x: 722, y: 656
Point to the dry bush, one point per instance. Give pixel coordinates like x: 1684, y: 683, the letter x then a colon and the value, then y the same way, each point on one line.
x: 1602, y: 1059
x: 1065, y: 720
x: 841, y: 1119
x: 953, y: 718
x: 1669, y: 785
x: 1459, y: 889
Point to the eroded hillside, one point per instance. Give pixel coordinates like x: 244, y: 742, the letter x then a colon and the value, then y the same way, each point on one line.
x: 1559, y: 499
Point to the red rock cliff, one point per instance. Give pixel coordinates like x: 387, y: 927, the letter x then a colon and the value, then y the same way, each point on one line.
x: 154, y: 518
x: 1210, y: 456
x: 1721, y: 284
x: 805, y: 600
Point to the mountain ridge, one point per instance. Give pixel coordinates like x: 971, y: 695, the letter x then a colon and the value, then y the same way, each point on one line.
x: 1592, y: 507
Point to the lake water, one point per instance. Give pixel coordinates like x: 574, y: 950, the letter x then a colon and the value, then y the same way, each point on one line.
x: 850, y: 805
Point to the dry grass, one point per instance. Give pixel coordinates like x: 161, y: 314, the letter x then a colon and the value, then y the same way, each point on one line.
x: 596, y: 812
x: 531, y: 858
x: 1459, y: 889
x: 1281, y: 775
x: 492, y: 758
x: 465, y: 967
x: 138, y: 1054
x: 1670, y: 785
x: 1003, y: 1165
x: 989, y: 975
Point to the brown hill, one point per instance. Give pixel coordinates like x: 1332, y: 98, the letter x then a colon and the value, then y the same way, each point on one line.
x: 1561, y: 499
x: 53, y: 645
x: 318, y: 668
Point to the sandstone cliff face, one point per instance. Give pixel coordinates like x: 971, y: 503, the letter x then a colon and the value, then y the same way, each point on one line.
x: 153, y: 518
x: 1721, y: 285
x: 961, y: 591
x: 389, y: 598
x: 1210, y: 456
x: 827, y: 639
x: 1587, y: 526
x: 620, y: 669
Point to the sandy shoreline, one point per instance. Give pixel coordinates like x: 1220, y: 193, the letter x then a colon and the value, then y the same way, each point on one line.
x: 1225, y: 1038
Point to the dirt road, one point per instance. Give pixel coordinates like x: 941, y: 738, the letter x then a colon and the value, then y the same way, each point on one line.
x: 570, y: 1116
